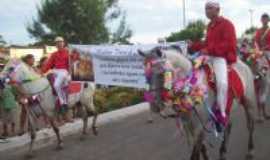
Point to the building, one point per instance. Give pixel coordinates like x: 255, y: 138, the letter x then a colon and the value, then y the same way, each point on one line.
x: 37, y: 52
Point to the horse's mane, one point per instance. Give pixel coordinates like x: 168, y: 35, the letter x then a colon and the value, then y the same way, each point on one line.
x: 178, y: 59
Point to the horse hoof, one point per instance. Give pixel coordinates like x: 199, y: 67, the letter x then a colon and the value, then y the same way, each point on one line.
x: 249, y: 156
x: 21, y: 133
x: 83, y: 137
x: 260, y: 120
x: 60, y: 146
x: 29, y: 156
x: 150, y: 121
x: 267, y: 117
x: 95, y: 131
x: 222, y: 157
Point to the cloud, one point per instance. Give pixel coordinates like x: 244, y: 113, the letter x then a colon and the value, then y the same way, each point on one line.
x: 166, y: 16
x: 150, y: 19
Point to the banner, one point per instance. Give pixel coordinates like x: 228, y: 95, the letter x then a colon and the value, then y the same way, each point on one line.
x: 116, y: 65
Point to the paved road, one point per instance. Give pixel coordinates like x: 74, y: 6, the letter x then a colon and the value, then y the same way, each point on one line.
x: 134, y: 139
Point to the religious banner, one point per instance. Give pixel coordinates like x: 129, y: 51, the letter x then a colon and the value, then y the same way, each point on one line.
x: 116, y: 65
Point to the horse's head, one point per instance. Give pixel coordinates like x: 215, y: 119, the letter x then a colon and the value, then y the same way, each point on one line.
x: 17, y: 71
x: 260, y: 67
x: 155, y: 68
x: 10, y: 69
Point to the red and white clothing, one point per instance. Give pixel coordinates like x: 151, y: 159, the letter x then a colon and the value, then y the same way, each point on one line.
x: 262, y: 38
x: 221, y: 46
x: 59, y: 64
x: 262, y: 41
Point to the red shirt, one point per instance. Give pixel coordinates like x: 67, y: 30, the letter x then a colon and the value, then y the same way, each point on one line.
x: 58, y: 60
x: 196, y: 46
x: 263, y: 42
x: 221, y: 40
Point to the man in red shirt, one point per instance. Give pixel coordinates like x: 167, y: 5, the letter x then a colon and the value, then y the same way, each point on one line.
x: 58, y: 64
x: 262, y: 36
x: 221, y: 47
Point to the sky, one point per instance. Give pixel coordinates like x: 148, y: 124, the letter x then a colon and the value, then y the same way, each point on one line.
x: 149, y: 19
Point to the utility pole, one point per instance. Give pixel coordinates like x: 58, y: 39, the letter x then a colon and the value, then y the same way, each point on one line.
x: 184, y: 13
x: 251, y: 11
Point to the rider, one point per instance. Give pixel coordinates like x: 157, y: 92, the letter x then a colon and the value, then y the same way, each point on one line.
x: 221, y: 47
x: 58, y: 65
x: 29, y: 59
x: 262, y: 36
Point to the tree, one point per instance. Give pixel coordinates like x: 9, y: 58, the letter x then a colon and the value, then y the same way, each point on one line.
x: 250, y: 30
x: 2, y: 41
x: 249, y: 34
x: 78, y: 21
x: 123, y: 32
x: 194, y: 31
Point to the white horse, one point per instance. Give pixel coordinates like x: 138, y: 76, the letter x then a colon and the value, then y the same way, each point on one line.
x: 261, y: 71
x: 199, y: 116
x: 29, y: 83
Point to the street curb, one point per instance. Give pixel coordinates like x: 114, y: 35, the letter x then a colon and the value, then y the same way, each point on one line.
x: 47, y: 137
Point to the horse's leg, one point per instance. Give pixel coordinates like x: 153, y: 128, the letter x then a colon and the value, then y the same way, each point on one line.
x: 264, y: 112
x: 204, y: 152
x: 250, y: 125
x: 197, y: 149
x: 85, y: 121
x: 150, y: 116
x: 32, y: 130
x: 95, y: 116
x: 5, y: 130
x: 226, y: 136
x: 23, y: 117
x: 13, y: 128
x: 263, y: 92
x: 259, y: 94
x: 74, y: 109
x: 57, y: 132
x: 195, y: 155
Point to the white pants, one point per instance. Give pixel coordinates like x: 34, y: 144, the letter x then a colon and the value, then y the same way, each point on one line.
x: 221, y: 72
x: 61, y: 79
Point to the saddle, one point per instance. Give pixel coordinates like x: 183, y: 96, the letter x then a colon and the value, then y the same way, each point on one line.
x: 71, y: 88
x: 235, y: 84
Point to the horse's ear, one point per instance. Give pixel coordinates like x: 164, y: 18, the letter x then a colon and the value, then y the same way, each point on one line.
x: 159, y: 52
x: 141, y: 53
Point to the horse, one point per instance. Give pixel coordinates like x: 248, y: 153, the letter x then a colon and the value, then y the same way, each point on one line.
x: 259, y: 64
x: 29, y: 83
x: 261, y: 70
x: 197, y: 118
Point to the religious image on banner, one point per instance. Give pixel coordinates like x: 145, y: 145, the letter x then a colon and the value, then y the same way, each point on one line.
x: 81, y: 66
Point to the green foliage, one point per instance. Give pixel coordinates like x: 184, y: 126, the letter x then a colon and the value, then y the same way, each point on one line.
x: 123, y: 32
x: 250, y: 30
x: 78, y: 21
x: 2, y: 41
x: 116, y: 97
x: 194, y: 31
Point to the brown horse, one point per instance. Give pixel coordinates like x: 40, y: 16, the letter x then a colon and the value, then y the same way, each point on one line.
x: 199, y: 115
